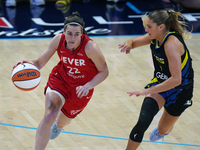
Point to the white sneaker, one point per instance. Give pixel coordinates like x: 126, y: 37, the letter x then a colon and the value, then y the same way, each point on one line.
x: 155, y: 135
x: 10, y: 3
x: 37, y: 2
x: 55, y: 131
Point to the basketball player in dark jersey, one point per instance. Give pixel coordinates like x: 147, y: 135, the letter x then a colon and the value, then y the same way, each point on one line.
x: 172, y: 84
x: 71, y: 83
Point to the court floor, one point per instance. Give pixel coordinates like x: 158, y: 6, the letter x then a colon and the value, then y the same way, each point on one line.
x: 106, y: 122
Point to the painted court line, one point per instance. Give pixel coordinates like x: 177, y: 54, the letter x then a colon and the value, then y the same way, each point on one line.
x: 135, y: 9
x: 101, y: 136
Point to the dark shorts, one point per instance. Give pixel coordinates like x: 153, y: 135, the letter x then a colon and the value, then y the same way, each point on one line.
x: 177, y: 100
x: 72, y: 105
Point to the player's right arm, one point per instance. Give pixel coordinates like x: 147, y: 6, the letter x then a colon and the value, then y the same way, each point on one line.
x: 134, y: 43
x: 46, y: 55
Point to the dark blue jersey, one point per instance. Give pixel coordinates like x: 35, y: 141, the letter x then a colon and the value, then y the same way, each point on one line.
x: 161, y: 65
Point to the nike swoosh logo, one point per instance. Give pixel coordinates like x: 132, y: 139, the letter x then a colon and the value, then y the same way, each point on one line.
x: 135, y: 135
x: 88, y: 97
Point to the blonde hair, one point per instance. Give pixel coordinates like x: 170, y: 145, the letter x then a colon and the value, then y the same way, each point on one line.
x: 171, y: 20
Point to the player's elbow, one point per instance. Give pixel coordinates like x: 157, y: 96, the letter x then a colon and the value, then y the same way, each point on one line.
x: 177, y: 81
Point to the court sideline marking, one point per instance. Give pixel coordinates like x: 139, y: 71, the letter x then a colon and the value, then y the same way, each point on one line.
x: 101, y: 136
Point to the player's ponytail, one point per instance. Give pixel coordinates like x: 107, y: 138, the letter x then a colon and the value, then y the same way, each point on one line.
x: 173, y: 21
x: 178, y: 24
x: 75, y: 20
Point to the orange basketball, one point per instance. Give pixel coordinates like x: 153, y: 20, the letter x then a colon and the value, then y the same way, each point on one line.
x: 26, y: 77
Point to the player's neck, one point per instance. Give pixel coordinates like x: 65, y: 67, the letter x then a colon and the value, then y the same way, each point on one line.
x: 72, y: 48
x: 161, y: 38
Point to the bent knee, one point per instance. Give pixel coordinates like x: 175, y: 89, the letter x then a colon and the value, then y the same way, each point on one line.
x: 53, y: 104
x: 51, y: 111
x: 158, y: 98
x: 53, y: 101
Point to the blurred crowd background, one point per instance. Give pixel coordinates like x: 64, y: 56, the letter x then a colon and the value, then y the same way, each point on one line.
x: 16, y: 12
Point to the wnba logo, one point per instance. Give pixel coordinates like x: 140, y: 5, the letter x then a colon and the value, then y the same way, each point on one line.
x: 27, y: 74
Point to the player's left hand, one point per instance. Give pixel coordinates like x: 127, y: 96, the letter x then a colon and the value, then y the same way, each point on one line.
x: 82, y: 91
x: 124, y: 48
x: 138, y: 93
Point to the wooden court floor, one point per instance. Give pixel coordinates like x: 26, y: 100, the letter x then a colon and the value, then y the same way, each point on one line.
x: 106, y: 122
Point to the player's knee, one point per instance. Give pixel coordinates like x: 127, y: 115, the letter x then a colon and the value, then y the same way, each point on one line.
x: 148, y: 111
x: 53, y: 101
x: 53, y: 104
x: 51, y: 111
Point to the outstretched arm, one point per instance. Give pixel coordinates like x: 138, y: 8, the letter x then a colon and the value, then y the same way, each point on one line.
x: 174, y: 50
x: 133, y: 43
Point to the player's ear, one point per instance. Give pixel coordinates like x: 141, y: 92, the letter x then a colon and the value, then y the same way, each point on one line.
x: 161, y: 27
x: 64, y: 29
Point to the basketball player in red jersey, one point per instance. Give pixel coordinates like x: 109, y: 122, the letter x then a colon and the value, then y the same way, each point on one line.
x: 70, y: 85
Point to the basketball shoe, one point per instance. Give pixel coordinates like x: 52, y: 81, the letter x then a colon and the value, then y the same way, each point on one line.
x: 155, y: 135
x: 55, y: 131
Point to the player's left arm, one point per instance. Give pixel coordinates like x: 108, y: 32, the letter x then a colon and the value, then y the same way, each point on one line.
x: 174, y: 50
x: 93, y: 52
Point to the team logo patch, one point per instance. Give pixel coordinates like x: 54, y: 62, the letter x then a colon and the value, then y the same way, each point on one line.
x: 79, y: 54
x: 188, y: 103
x: 74, y: 112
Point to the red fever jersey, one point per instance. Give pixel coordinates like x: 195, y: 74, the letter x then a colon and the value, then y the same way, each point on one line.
x: 74, y: 67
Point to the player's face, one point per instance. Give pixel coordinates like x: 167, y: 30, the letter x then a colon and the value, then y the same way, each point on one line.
x: 151, y: 28
x: 73, y: 36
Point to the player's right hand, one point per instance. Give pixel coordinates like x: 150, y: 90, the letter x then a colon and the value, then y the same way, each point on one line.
x: 22, y: 62
x: 82, y: 91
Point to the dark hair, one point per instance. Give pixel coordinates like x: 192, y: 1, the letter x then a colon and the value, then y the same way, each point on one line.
x: 171, y: 20
x: 75, y: 17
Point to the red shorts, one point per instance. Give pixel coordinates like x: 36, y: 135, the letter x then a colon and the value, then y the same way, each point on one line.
x: 73, y: 105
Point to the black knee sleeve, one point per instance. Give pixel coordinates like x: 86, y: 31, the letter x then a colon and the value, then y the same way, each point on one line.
x: 148, y: 111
